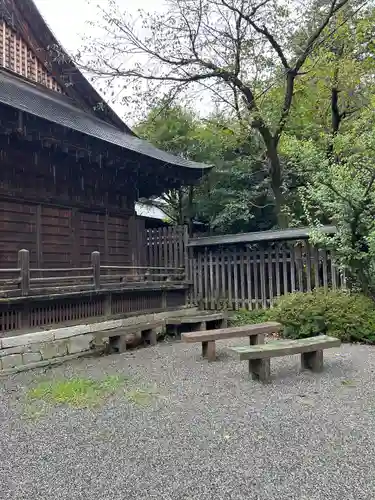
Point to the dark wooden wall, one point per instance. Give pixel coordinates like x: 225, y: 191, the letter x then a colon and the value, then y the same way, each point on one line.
x: 61, y: 209
x: 62, y: 237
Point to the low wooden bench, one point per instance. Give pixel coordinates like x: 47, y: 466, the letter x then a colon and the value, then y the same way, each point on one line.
x: 311, y: 350
x: 256, y: 334
x: 197, y: 322
x: 147, y: 331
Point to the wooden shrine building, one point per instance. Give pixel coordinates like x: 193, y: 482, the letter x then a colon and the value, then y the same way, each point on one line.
x: 70, y: 174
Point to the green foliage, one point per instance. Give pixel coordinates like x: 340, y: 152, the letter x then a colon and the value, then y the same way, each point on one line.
x: 234, y: 197
x: 246, y: 317
x: 348, y: 316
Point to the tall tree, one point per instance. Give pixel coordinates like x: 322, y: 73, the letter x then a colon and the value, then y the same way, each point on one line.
x: 230, y: 50
x: 235, y: 196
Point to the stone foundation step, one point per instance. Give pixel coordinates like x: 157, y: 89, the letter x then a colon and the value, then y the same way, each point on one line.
x: 51, y: 346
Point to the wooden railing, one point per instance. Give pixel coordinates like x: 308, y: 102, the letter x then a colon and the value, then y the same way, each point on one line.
x: 24, y: 280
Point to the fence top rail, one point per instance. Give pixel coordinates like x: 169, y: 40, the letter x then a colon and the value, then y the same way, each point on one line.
x: 59, y: 278
x: 11, y: 270
x: 143, y: 268
x: 259, y: 236
x: 60, y: 269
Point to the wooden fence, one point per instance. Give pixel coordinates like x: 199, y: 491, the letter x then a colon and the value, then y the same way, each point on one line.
x: 166, y: 247
x: 243, y: 278
x: 24, y: 280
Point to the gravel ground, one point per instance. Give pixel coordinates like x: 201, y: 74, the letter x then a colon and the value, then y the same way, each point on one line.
x: 211, y: 433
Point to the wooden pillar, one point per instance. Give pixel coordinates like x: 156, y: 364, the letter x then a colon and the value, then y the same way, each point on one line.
x: 95, y: 262
x: 24, y: 266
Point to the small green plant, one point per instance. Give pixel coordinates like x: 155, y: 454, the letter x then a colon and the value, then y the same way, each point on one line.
x: 348, y: 316
x: 245, y: 317
x: 76, y: 392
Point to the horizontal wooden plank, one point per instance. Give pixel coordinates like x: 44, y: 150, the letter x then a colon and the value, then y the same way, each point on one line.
x: 199, y: 318
x: 230, y: 333
x: 123, y: 330
x: 17, y: 207
x: 279, y: 348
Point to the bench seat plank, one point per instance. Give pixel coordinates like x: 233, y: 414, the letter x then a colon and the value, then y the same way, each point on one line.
x: 179, y: 320
x: 231, y: 333
x: 279, y: 348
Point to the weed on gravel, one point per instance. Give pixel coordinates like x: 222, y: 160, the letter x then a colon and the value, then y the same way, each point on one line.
x: 83, y: 393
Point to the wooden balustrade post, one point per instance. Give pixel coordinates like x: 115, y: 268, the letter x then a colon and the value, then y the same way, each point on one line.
x: 95, y: 262
x: 24, y: 266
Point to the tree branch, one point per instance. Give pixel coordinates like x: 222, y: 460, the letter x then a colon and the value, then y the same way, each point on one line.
x: 262, y: 30
x: 335, y: 7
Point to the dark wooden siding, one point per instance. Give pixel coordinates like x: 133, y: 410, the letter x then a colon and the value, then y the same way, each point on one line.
x: 61, y: 237
x: 17, y: 231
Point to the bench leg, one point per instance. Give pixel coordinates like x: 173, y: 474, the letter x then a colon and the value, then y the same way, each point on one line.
x: 209, y: 350
x: 260, y: 369
x: 150, y: 337
x: 312, y: 361
x: 257, y: 339
x: 224, y: 323
x: 199, y: 327
x: 117, y: 344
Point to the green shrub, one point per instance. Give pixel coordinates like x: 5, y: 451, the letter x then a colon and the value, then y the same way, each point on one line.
x: 348, y: 316
x: 245, y: 317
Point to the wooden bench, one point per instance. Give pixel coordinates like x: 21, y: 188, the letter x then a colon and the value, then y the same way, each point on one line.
x: 311, y: 350
x: 197, y: 322
x: 256, y: 334
x: 147, y: 331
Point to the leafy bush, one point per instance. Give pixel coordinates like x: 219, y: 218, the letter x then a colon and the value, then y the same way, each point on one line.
x: 245, y: 317
x: 348, y: 316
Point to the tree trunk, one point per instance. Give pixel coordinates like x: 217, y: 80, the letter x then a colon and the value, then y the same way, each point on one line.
x: 276, y: 177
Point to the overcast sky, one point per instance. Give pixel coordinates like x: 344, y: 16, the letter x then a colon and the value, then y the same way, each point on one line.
x: 68, y: 20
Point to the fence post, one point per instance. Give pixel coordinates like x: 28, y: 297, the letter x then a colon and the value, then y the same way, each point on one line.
x: 95, y: 262
x: 24, y: 265
x: 186, y: 252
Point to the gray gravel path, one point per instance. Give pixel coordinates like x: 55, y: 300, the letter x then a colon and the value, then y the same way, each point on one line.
x: 210, y: 434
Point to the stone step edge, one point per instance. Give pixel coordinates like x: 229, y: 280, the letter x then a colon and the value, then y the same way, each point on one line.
x: 75, y: 330
x: 48, y: 362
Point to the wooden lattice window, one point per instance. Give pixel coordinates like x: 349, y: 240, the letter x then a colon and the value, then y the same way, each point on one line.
x: 16, y: 55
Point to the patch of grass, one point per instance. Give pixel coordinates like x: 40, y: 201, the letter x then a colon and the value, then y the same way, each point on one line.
x: 141, y: 397
x: 76, y: 392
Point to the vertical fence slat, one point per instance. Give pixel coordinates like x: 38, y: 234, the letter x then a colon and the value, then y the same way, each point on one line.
x: 229, y: 278
x: 191, y: 276
x: 200, y: 278
x: 270, y: 276
x: 223, y: 287
x: 263, y: 280
x: 249, y: 278
x: 333, y: 271
x: 308, y: 266
x: 235, y: 278
x: 285, y: 270
x: 218, y: 284
x: 316, y: 267
x: 242, y: 280
x: 299, y: 263
x: 256, y: 280
x: 206, y: 288
x: 292, y: 269
x: 211, y: 279
x: 179, y: 247
x: 325, y: 268
x: 277, y: 269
